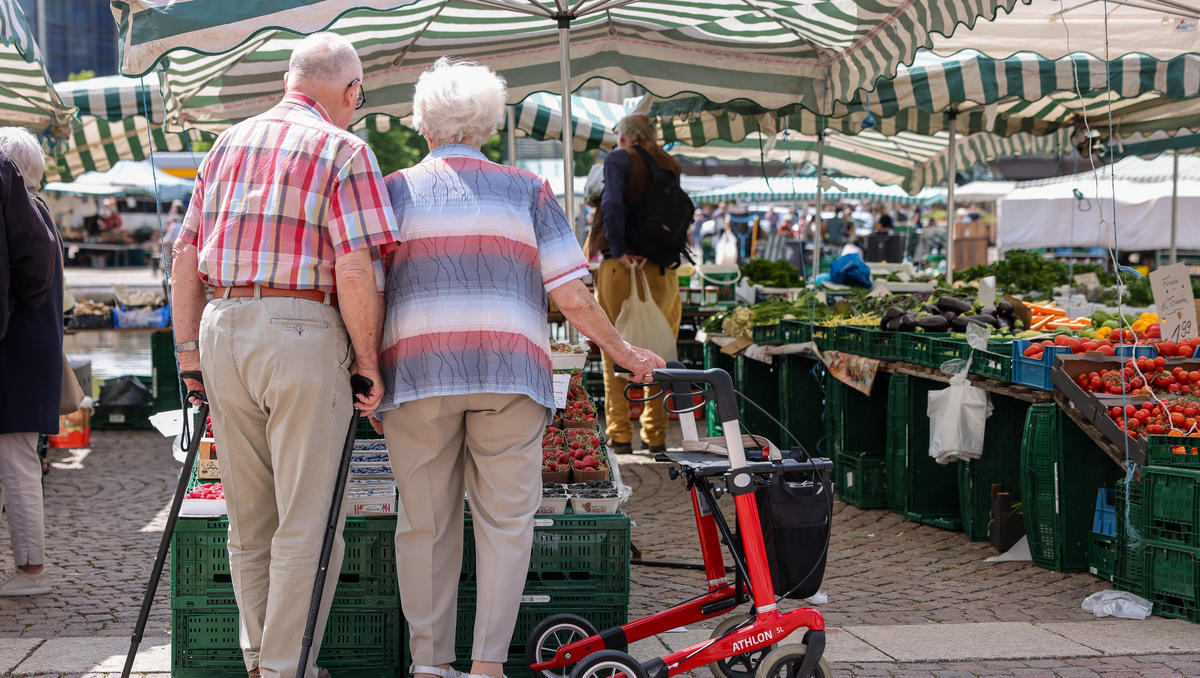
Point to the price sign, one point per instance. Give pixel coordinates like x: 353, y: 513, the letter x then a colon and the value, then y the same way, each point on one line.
x: 561, y: 382
x: 1172, y: 287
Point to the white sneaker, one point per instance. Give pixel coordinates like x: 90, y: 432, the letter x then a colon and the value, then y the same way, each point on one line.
x: 21, y: 583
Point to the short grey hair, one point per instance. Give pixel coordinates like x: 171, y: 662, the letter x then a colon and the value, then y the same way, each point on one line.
x: 637, y: 128
x: 26, y: 153
x: 458, y: 101
x: 324, y: 59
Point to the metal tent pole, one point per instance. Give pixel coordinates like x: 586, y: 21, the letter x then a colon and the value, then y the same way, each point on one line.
x: 951, y: 171
x: 1174, y: 202
x: 817, y: 231
x: 568, y: 128
x: 510, y: 123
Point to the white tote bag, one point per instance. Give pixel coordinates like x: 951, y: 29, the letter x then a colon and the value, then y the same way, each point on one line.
x: 642, y: 323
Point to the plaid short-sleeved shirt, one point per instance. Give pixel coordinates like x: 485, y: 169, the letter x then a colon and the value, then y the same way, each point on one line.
x: 283, y: 194
x: 481, y: 244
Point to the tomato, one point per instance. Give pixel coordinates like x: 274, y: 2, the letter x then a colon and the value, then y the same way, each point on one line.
x: 1189, y: 423
x: 1136, y: 383
x: 1116, y: 336
x: 1107, y: 349
x: 1129, y: 364
x: 1173, y: 388
x: 1115, y: 412
x: 1176, y: 372
x: 1031, y: 350
x: 1133, y: 423
x: 1143, y: 415
x: 1047, y: 342
x: 1177, y: 418
x: 1155, y: 429
x: 1141, y: 364
x: 1160, y: 362
x: 1190, y: 411
x: 1062, y: 340
x: 1194, y: 376
x: 1114, y: 389
x: 1095, y: 383
x: 1185, y: 350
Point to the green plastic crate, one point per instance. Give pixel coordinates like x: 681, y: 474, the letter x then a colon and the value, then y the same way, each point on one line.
x: 796, y: 331
x: 801, y: 403
x: 1061, y: 469
x: 1161, y: 451
x: 855, y: 339
x: 1172, y: 580
x: 767, y: 335
x: 691, y: 353
x: 604, y: 611
x: 1172, y: 504
x: 886, y: 345
x: 164, y: 371
x: 1000, y: 464
x: 823, y: 335
x: 1102, y: 556
x: 861, y: 480
x: 758, y: 382
x: 918, y: 487
x: 366, y: 643
x: 915, y: 347
x: 846, y: 410
x: 1128, y: 567
x: 715, y: 359
x: 570, y: 553
x: 200, y: 576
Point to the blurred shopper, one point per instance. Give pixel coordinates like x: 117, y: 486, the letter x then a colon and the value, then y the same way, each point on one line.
x: 31, y: 357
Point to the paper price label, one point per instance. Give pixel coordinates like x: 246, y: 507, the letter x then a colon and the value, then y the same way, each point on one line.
x: 561, y: 382
x: 1172, y: 287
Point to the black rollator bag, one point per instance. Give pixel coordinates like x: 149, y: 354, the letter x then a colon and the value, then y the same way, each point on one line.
x: 795, y: 510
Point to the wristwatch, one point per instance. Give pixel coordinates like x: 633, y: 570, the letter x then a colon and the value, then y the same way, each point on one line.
x: 187, y: 346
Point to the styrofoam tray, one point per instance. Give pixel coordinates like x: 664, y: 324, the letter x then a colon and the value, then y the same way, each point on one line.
x: 589, y: 505
x: 203, y: 508
x: 568, y: 361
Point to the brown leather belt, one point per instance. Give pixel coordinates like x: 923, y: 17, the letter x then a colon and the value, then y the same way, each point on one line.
x: 259, y: 291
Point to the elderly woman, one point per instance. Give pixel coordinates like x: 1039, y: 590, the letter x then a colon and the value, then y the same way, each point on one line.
x: 466, y: 362
x: 30, y: 351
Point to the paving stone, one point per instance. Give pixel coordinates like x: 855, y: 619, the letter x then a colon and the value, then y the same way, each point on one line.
x: 97, y: 654
x: 948, y: 642
x: 14, y: 650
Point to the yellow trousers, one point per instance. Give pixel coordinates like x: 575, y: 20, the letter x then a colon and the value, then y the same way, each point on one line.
x: 612, y: 289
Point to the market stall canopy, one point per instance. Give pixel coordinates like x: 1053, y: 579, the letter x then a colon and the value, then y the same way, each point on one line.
x: 1078, y: 210
x: 27, y: 97
x: 97, y: 144
x: 228, y: 56
x: 984, y: 191
x: 114, y: 97
x: 128, y: 178
x: 804, y: 189
x: 593, y: 122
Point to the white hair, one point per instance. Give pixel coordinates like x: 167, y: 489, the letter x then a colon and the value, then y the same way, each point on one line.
x: 26, y: 153
x: 637, y: 128
x: 459, y: 102
x: 325, y: 60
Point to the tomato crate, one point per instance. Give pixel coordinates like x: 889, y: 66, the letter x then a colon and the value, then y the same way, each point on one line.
x: 603, y: 610
x: 758, y: 382
x: 1061, y: 469
x: 918, y: 486
x: 855, y: 339
x: 861, y: 480
x: 796, y: 331
x: 570, y: 553
x: 1172, y: 580
x: 1128, y: 566
x: 845, y: 411
x: 1173, y: 451
x: 801, y: 404
x: 366, y: 643
x: 1031, y: 372
x: 200, y: 576
x: 1102, y: 556
x: 1172, y: 504
x: 998, y: 466
x: 767, y: 335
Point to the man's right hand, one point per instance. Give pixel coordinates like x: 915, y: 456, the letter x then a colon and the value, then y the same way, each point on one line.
x: 641, y: 363
x: 631, y: 262
x: 366, y: 404
x: 189, y: 361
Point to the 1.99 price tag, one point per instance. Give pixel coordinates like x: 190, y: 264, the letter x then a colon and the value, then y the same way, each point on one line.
x: 1172, y: 287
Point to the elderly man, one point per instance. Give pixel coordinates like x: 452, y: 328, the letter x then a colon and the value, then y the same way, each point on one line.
x: 288, y: 210
x: 626, y: 181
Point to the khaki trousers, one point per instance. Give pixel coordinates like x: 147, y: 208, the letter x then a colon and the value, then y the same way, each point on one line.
x: 612, y: 289
x: 489, y: 445
x: 21, y: 497
x: 275, y: 370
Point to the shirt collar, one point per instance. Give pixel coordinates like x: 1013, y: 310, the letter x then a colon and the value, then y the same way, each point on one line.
x: 303, y: 101
x: 446, y: 150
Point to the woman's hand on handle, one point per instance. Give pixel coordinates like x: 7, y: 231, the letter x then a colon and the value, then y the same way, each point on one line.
x: 641, y: 363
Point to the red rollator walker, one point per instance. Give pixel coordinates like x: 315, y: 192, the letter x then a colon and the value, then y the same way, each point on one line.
x: 764, y: 487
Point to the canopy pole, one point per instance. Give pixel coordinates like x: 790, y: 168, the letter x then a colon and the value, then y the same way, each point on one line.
x: 820, y: 191
x: 1174, y: 202
x: 951, y: 171
x: 510, y: 131
x: 568, y: 128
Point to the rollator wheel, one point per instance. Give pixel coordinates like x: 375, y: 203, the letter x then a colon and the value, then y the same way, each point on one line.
x: 552, y: 633
x: 784, y: 662
x: 608, y: 664
x: 739, y: 665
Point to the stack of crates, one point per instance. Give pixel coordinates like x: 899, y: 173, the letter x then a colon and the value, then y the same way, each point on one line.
x: 1061, y: 470
x: 1129, y: 555
x: 1102, y: 547
x: 758, y: 382
x: 856, y: 442
x: 579, y: 564
x: 919, y: 488
x: 363, y: 637
x: 1171, y: 531
x: 800, y: 404
x: 1001, y: 449
x: 164, y: 371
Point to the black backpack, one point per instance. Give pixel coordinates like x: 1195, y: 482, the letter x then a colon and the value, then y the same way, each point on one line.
x: 657, y: 228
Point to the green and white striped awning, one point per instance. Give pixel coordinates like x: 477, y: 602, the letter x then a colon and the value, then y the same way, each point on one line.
x: 594, y: 122
x: 114, y: 97
x: 232, y: 54
x: 27, y: 98
x: 804, y: 189
x: 97, y: 144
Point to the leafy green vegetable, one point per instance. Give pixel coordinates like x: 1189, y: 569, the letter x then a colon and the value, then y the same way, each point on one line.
x: 771, y: 273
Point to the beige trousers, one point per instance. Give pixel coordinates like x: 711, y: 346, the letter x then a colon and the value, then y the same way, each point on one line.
x: 489, y: 445
x: 276, y: 375
x: 612, y: 289
x: 21, y: 497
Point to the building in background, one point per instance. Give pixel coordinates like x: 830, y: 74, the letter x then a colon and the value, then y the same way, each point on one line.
x: 75, y: 35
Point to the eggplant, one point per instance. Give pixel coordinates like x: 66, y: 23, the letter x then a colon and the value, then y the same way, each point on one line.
x: 890, y: 315
x: 930, y: 309
x: 953, y: 304
x: 959, y: 324
x: 1004, y: 309
x: 934, y: 323
x: 908, y: 322
x: 893, y: 325
x: 1005, y: 324
x: 984, y: 320
x: 949, y: 315
x: 988, y: 310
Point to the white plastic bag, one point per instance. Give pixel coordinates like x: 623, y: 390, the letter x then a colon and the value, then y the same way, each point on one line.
x: 957, y: 417
x: 642, y: 323
x: 1110, y: 603
x: 727, y: 249
x: 593, y: 187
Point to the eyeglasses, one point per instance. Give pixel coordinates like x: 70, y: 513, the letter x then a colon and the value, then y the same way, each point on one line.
x: 362, y: 93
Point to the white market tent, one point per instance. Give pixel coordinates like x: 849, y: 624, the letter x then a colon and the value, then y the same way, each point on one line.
x: 127, y: 178
x: 984, y: 191
x: 1067, y: 211
x: 804, y: 189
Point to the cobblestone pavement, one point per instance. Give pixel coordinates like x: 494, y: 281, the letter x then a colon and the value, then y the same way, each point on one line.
x: 106, y: 507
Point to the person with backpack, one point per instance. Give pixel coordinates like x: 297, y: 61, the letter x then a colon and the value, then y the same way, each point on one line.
x: 641, y: 225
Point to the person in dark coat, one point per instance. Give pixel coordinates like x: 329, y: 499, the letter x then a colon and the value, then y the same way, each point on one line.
x: 31, y: 340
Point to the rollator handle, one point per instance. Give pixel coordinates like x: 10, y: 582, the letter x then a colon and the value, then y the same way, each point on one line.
x: 679, y: 380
